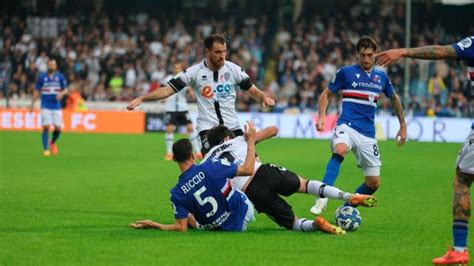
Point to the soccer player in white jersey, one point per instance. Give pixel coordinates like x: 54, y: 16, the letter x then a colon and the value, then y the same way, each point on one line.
x: 52, y: 86
x: 215, y: 82
x: 176, y: 116
x: 269, y: 182
x: 361, y: 85
x: 464, y: 174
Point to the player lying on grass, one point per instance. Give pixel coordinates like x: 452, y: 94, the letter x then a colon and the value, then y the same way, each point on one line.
x: 203, y: 196
x: 268, y: 182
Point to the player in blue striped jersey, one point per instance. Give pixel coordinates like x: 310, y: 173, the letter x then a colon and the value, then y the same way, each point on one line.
x: 204, y: 197
x: 462, y: 50
x: 361, y: 85
x: 52, y: 86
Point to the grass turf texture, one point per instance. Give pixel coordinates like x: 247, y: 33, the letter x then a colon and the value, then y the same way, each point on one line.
x: 75, y: 208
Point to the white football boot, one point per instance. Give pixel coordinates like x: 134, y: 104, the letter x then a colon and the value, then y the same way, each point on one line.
x: 319, y: 206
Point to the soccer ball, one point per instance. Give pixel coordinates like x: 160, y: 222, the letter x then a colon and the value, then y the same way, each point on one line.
x: 348, y: 218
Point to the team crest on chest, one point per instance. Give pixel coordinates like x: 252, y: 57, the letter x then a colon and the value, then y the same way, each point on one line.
x: 226, y: 76
x: 376, y: 78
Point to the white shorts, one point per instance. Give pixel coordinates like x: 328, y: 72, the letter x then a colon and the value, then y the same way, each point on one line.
x: 364, y: 148
x: 465, y: 160
x: 49, y: 117
x: 250, y: 215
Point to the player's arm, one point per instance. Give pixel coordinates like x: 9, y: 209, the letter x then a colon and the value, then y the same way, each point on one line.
x: 402, y: 132
x: 36, y: 92
x: 180, y: 225
x: 61, y: 94
x: 266, y: 133
x: 34, y: 98
x: 64, y: 88
x: 425, y: 52
x: 323, y: 102
x: 248, y: 166
x: 261, y: 96
x: 159, y: 94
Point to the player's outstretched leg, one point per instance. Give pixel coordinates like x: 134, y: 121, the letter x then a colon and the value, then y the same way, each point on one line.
x: 324, y: 191
x: 319, y: 224
x: 362, y: 200
x: 323, y: 225
x: 369, y: 187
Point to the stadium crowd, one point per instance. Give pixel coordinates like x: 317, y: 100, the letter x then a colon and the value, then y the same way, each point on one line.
x: 117, y: 57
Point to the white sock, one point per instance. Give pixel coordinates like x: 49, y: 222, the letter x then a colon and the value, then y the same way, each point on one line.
x: 169, y: 142
x: 459, y: 249
x: 304, y: 225
x: 194, y: 141
x: 322, y: 190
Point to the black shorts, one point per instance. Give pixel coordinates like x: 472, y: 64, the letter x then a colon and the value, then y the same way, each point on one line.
x: 176, y: 118
x: 205, y: 147
x: 269, y: 182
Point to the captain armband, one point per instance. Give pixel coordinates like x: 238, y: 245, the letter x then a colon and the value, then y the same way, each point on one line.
x: 177, y: 84
x: 245, y: 84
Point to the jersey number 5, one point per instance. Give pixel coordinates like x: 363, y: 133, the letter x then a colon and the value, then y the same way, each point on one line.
x: 209, y: 199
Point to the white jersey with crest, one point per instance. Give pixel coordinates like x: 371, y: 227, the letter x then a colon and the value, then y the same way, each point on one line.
x: 234, y: 151
x: 215, y: 92
x: 176, y: 102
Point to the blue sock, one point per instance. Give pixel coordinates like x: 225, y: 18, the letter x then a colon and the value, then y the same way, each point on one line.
x: 460, y: 230
x: 44, y: 137
x: 363, y: 189
x: 56, y: 134
x: 332, y: 169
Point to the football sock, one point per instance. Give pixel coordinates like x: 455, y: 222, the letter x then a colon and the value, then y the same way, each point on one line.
x: 304, y: 225
x: 332, y: 169
x: 322, y: 190
x: 56, y: 134
x: 363, y: 189
x: 44, y: 138
x: 460, y: 231
x: 194, y: 142
x: 169, y: 142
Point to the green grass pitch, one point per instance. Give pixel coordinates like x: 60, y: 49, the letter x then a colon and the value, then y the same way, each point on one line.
x: 75, y: 208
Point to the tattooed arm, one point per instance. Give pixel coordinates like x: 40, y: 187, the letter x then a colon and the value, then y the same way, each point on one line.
x: 402, y: 132
x: 432, y: 52
x: 424, y: 52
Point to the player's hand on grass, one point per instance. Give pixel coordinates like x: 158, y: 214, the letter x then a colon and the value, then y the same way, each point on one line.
x: 250, y: 131
x: 401, y: 136
x: 134, y: 103
x: 320, y: 124
x: 145, y: 224
x: 389, y: 57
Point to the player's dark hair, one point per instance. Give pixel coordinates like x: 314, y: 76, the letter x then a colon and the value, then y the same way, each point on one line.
x: 216, y: 135
x: 211, y: 39
x: 366, y: 42
x: 182, y: 150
